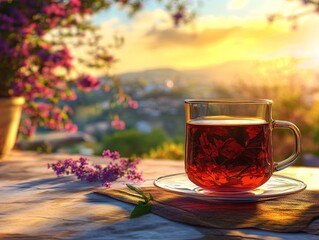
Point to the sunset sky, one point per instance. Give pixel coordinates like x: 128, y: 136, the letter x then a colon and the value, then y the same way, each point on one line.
x: 223, y: 31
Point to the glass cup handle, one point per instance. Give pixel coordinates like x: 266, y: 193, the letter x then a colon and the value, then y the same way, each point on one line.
x: 297, y: 136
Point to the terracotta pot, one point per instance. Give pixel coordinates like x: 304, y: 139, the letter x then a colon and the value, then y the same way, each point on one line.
x: 10, y: 115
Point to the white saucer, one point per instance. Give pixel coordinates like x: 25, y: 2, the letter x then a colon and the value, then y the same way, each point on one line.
x: 276, y: 186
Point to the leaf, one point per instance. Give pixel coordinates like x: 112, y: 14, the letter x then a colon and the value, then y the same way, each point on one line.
x: 151, y: 197
x: 135, y: 189
x: 138, y: 191
x: 140, y: 210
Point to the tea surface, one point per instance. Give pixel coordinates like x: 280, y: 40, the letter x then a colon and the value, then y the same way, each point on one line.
x: 228, y: 154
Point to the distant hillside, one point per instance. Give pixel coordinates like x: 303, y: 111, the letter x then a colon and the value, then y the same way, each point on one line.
x: 153, y: 75
x: 225, y: 73
x: 220, y: 74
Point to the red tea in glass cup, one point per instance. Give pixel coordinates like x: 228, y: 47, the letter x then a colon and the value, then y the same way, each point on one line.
x: 228, y: 143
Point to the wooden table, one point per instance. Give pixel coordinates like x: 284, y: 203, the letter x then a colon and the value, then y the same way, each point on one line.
x: 35, y: 204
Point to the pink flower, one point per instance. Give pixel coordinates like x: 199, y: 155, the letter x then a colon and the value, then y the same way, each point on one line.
x: 55, y: 9
x: 133, y: 104
x: 25, y: 49
x: 70, y: 127
x: 74, y: 6
x: 28, y: 128
x: 68, y: 95
x: 113, y: 155
x: 118, y: 124
x: 87, y: 83
x: 57, y: 115
x: 44, y: 109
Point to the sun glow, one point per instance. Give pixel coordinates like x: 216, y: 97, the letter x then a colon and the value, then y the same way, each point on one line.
x: 152, y: 42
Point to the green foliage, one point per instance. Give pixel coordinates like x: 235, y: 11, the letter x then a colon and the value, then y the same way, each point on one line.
x: 168, y: 150
x: 45, y: 147
x: 132, y: 142
x: 143, y: 207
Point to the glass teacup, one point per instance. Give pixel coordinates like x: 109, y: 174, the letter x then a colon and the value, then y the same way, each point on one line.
x: 228, y: 143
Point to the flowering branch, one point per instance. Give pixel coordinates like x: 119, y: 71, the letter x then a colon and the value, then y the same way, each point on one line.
x: 294, y: 17
x: 36, y: 61
x: 118, y: 167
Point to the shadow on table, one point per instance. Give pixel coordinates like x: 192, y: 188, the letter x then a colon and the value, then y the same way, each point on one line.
x: 147, y: 227
x: 61, y: 184
x: 291, y: 213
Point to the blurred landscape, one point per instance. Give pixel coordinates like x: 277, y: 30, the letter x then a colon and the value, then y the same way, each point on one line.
x: 156, y: 128
x: 232, y: 49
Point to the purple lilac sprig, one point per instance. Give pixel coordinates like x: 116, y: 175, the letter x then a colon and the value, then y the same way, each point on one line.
x: 117, y: 167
